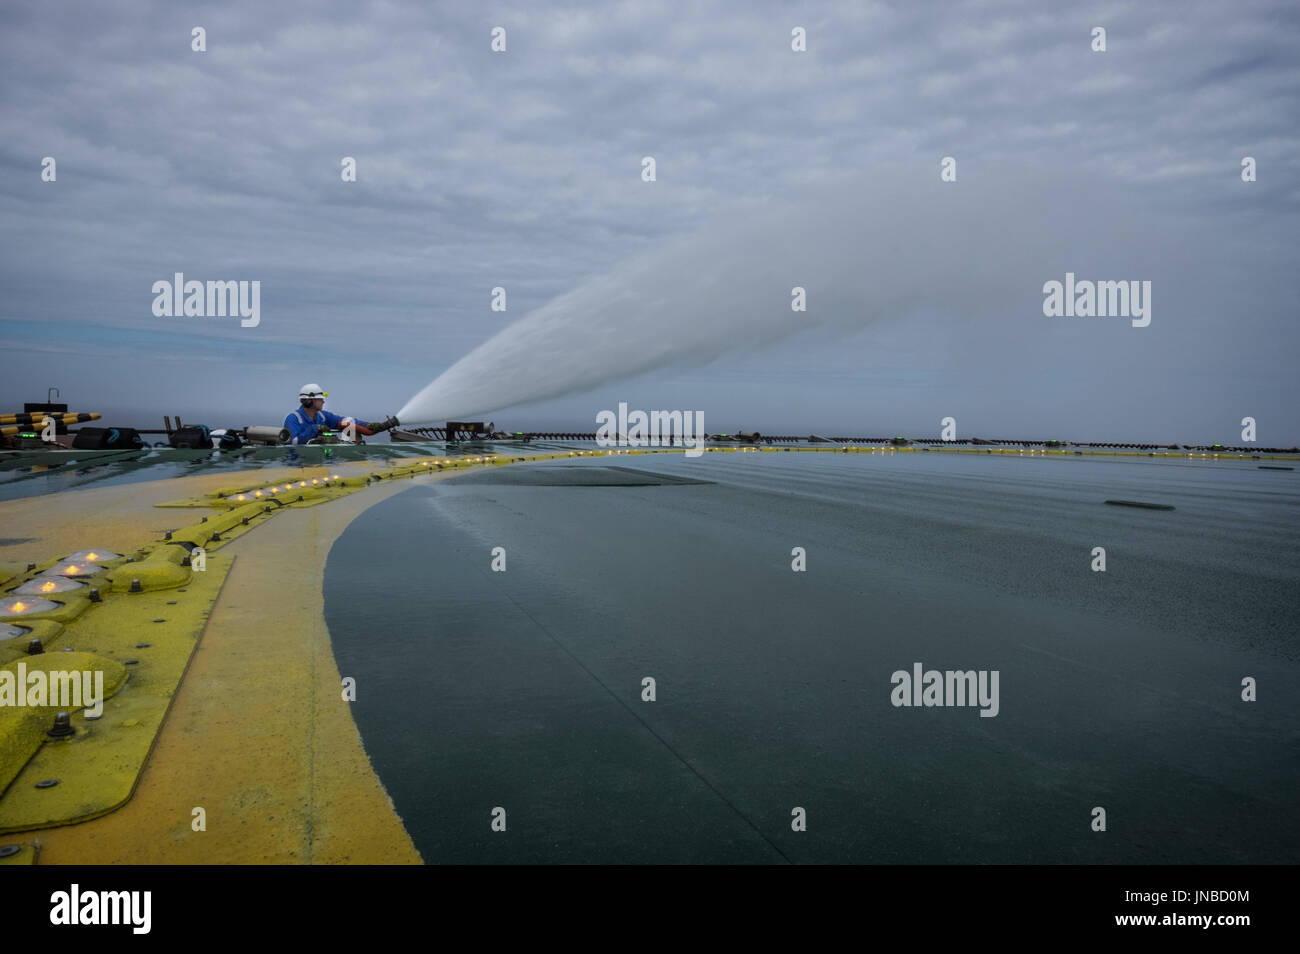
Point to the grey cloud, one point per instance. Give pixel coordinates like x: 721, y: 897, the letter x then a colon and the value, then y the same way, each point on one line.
x: 523, y: 169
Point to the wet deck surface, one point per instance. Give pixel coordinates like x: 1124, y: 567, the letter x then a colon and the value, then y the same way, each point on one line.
x: 523, y: 689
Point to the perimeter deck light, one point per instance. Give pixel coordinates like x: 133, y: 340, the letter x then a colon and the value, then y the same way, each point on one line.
x: 41, y: 586
x: 18, y: 606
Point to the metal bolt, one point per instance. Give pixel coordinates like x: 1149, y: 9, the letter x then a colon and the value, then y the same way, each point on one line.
x: 62, y: 726
x: 34, y: 648
x: 94, y: 595
x: 136, y: 587
x: 47, y: 783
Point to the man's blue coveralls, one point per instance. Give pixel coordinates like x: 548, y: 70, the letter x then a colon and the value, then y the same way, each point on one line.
x: 303, y: 428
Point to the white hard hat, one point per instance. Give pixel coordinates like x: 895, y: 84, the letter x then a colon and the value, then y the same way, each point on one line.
x: 312, y: 391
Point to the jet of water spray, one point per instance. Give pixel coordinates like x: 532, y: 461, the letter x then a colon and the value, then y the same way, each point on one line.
x: 878, y: 246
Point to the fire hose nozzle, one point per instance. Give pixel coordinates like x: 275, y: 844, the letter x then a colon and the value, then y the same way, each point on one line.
x: 384, y: 425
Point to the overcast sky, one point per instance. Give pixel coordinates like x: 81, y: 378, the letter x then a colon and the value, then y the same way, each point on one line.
x: 522, y: 169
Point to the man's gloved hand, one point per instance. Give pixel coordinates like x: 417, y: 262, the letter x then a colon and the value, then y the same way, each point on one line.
x: 384, y: 425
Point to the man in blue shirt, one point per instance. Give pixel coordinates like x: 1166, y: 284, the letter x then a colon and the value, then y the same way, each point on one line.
x: 306, y: 423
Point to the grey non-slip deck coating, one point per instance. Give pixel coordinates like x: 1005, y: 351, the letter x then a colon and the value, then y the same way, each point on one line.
x: 523, y: 689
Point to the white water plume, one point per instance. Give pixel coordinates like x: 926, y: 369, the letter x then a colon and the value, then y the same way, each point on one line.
x: 873, y: 247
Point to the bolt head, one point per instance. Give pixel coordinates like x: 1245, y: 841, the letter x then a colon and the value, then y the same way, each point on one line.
x: 62, y: 726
